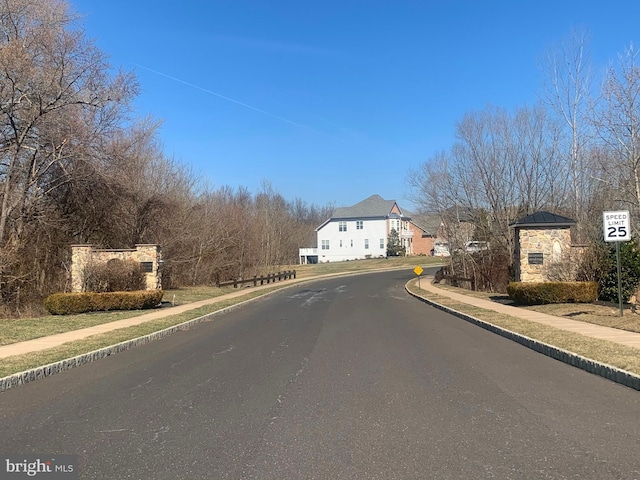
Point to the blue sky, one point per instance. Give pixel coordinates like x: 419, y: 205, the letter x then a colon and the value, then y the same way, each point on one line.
x: 332, y: 101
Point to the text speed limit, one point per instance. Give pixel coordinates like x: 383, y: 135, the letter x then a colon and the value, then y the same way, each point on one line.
x: 616, y: 226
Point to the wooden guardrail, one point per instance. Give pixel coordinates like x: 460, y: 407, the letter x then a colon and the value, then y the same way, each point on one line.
x: 272, y: 277
x: 453, y: 278
x: 441, y: 275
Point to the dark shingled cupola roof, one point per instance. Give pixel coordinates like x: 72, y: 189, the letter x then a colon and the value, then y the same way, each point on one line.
x: 542, y: 219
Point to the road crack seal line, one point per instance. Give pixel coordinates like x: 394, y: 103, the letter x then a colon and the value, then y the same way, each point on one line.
x: 230, y: 349
x: 282, y: 397
x: 174, y: 365
x: 315, y: 297
x: 140, y: 385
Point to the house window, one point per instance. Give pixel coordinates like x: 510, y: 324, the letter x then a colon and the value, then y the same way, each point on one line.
x: 382, y: 243
x: 366, y: 244
x: 342, y: 226
x: 146, y: 267
x: 325, y: 244
x: 340, y: 243
x: 352, y: 243
x: 359, y: 224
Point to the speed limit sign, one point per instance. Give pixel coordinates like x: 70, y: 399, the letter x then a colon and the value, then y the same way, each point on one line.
x: 616, y: 226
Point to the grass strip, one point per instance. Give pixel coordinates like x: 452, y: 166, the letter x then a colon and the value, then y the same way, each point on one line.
x: 23, y: 329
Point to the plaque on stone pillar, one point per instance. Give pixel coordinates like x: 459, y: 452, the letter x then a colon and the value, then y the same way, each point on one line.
x: 536, y: 258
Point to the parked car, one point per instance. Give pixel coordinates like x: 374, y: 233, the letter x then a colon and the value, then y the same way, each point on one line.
x: 476, y: 246
x: 440, y: 249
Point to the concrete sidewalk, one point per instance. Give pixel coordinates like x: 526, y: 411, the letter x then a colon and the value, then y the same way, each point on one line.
x: 622, y: 337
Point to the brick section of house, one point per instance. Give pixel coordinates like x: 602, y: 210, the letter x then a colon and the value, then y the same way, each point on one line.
x: 421, y: 242
x: 146, y: 254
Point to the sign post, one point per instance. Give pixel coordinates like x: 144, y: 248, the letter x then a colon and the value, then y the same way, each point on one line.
x: 418, y: 271
x: 617, y: 229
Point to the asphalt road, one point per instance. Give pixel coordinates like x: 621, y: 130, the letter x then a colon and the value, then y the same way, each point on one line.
x: 348, y: 378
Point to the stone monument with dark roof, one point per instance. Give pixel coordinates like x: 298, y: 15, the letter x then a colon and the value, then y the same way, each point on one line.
x: 540, y: 239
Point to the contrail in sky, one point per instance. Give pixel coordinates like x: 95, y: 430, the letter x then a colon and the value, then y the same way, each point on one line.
x: 229, y: 99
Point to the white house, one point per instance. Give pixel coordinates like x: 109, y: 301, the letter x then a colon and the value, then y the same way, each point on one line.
x: 362, y: 230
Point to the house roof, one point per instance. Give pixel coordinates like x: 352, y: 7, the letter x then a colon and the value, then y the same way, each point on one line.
x: 543, y: 218
x: 373, y: 207
x: 427, y: 223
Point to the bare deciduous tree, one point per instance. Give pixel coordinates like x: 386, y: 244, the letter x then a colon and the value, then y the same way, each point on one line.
x: 51, y: 73
x: 54, y: 89
x: 568, y: 91
x: 502, y: 166
x: 618, y: 125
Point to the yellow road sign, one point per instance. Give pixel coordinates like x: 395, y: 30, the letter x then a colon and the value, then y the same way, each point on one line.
x: 418, y: 270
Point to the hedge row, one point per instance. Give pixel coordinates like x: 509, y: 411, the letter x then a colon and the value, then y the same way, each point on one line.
x: 71, y: 303
x: 538, y: 293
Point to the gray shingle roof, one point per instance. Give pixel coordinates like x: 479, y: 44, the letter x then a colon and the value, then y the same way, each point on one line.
x: 428, y: 223
x: 373, y: 207
x: 542, y: 218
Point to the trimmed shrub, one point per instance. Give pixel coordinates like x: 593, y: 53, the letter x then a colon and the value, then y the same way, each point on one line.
x: 73, y: 303
x: 539, y: 293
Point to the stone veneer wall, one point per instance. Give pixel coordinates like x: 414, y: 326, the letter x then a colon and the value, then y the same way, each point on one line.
x: 551, y: 242
x: 83, y: 255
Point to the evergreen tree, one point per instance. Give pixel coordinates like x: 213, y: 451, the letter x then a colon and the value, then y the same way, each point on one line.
x: 629, y: 269
x: 394, y: 248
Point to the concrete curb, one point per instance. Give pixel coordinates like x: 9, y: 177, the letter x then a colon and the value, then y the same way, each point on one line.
x: 609, y: 372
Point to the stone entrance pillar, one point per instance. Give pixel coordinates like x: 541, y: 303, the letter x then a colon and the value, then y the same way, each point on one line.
x: 540, y: 239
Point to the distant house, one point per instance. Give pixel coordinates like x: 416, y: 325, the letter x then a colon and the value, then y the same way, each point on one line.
x: 362, y: 231
x: 458, y: 226
x: 426, y: 230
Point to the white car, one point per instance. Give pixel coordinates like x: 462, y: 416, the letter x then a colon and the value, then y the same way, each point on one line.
x: 440, y: 249
x: 475, y: 246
